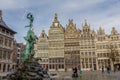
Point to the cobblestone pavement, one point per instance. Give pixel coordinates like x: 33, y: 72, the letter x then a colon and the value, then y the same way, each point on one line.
x: 88, y: 75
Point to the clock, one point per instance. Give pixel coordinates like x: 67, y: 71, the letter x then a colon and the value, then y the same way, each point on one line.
x: 56, y: 24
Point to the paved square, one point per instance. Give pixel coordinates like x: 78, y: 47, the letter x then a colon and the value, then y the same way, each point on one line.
x: 88, y: 75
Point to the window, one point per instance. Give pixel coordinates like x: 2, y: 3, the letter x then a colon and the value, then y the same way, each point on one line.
x: 59, y: 65
x: 8, y: 55
x: 86, y: 60
x: 50, y: 66
x: 4, y: 66
x: 90, y: 61
x: 93, y: 53
x: 1, y: 40
x: 90, y: 65
x: 53, y: 66
x: 90, y: 53
x: 83, y: 65
x: 94, y: 61
x: 10, y: 43
x: 62, y: 66
x: 3, y: 31
x: 81, y: 53
x: 0, y: 54
x: 4, y: 55
x: 86, y: 65
x: 7, y: 32
x: 98, y: 55
x: 0, y: 66
x: 5, y: 42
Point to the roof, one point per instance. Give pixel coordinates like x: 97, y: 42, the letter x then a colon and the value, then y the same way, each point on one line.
x: 19, y: 44
x: 2, y: 24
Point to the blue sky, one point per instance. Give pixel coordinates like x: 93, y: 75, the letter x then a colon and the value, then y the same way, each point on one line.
x: 104, y: 13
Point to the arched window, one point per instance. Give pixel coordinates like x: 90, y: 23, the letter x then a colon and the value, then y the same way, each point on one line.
x: 4, y: 66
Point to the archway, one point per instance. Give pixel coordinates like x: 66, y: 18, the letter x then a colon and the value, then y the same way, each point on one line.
x: 117, y: 66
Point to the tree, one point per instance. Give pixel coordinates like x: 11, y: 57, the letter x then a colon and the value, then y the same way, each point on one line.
x: 113, y: 55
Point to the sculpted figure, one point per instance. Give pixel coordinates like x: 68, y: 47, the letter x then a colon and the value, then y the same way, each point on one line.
x: 30, y: 40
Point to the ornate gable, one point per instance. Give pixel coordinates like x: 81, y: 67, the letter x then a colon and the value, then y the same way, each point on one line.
x: 100, y: 31
x: 43, y: 36
x: 71, y: 31
x: 56, y: 27
x: 86, y: 32
x: 114, y: 32
x: 86, y: 27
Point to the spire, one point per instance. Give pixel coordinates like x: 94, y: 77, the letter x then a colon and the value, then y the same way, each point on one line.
x: 70, y: 20
x: 43, y: 30
x: 86, y: 22
x: 0, y: 14
x: 100, y: 28
x: 56, y: 17
x: 101, y: 31
x: 114, y: 32
x: 43, y: 34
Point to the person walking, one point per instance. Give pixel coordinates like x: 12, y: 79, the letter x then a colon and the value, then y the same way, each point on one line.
x: 80, y: 73
x: 102, y: 69
x: 108, y: 70
x: 76, y: 74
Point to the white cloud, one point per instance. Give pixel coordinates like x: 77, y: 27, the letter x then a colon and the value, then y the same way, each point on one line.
x: 73, y: 5
x: 97, y: 12
x: 16, y: 4
x: 10, y: 4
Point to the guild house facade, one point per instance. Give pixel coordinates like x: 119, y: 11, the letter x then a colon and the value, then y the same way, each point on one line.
x: 67, y: 47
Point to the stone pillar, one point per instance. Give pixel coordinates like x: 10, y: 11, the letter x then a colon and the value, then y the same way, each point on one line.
x: 8, y: 43
x: 111, y: 64
x: 92, y: 64
x: 1, y: 67
x: 88, y: 64
x: 6, y: 68
x: 2, y: 54
x: 4, y: 41
x: 12, y: 43
x: 97, y: 67
x: 85, y: 63
x: 81, y: 65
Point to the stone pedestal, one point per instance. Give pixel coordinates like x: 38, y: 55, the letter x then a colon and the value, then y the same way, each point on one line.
x: 29, y: 70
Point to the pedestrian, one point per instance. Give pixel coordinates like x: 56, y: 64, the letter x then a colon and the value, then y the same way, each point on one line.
x: 81, y: 73
x: 76, y: 74
x: 102, y: 69
x: 73, y: 75
x: 108, y: 70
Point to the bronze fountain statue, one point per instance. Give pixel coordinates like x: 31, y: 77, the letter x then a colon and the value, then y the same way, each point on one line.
x: 29, y: 68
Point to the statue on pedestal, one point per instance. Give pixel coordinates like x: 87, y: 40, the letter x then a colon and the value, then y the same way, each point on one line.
x: 30, y: 40
x: 29, y: 68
